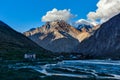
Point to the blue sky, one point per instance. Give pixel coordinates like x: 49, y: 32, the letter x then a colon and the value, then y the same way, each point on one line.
x: 22, y: 15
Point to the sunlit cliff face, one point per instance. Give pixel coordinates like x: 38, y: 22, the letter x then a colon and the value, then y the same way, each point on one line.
x: 58, y: 36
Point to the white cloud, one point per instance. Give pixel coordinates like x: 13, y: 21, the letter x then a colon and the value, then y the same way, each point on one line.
x: 106, y: 10
x: 57, y: 15
x: 86, y: 22
x: 83, y: 21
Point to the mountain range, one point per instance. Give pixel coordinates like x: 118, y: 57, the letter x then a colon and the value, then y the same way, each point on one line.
x: 58, y: 36
x: 101, y: 41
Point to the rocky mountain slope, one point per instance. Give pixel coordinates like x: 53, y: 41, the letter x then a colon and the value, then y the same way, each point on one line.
x: 13, y: 44
x: 57, y: 36
x: 105, y: 42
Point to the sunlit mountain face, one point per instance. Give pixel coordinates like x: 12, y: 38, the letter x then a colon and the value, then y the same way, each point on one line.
x: 59, y: 36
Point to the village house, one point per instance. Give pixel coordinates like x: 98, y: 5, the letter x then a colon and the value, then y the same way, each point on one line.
x: 30, y: 56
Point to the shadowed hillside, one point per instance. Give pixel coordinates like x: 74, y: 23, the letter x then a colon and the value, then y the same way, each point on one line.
x: 14, y: 44
x: 105, y: 42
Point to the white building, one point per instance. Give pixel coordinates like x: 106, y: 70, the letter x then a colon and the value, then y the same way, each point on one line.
x: 30, y: 56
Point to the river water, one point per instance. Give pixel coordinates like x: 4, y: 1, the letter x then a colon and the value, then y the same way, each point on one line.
x: 83, y: 69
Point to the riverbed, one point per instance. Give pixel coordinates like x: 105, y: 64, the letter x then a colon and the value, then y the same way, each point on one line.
x: 76, y: 69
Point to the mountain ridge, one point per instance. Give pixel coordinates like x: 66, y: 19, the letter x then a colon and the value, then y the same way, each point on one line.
x: 57, y: 36
x: 104, y: 42
x: 13, y: 43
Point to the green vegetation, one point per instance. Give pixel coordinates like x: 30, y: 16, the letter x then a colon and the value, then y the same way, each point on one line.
x: 22, y: 74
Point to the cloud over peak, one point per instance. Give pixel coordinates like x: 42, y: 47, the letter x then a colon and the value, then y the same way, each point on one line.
x: 83, y: 21
x: 86, y: 22
x: 106, y: 10
x: 57, y: 15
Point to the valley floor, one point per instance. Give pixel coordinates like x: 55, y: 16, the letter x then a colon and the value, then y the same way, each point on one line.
x: 60, y: 70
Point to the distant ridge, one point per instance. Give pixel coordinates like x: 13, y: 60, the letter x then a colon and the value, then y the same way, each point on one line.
x: 105, y: 42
